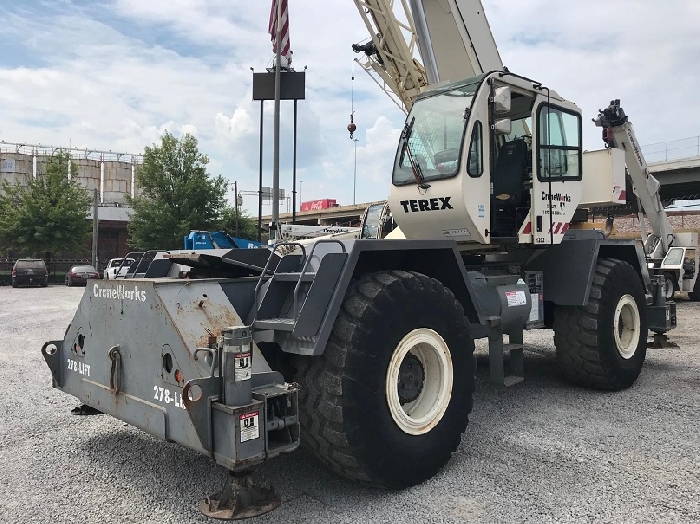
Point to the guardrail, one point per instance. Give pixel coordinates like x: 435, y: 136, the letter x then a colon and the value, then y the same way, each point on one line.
x: 674, y: 150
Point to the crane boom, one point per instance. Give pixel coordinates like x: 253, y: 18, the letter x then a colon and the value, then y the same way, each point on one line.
x: 618, y: 132
x: 453, y: 38
x: 389, y: 55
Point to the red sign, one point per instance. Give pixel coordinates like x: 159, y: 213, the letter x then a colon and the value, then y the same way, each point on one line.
x: 313, y: 205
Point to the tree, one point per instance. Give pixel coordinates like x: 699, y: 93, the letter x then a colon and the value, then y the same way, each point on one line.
x: 48, y: 214
x: 247, y: 227
x: 177, y: 194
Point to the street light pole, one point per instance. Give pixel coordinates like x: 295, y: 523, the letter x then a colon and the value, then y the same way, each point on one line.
x: 300, y: 183
x: 235, y: 197
x: 354, y: 175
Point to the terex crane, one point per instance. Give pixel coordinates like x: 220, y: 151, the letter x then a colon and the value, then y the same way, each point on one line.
x: 364, y: 348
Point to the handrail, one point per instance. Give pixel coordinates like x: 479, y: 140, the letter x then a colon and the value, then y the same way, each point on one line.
x: 266, y: 268
x: 306, y: 265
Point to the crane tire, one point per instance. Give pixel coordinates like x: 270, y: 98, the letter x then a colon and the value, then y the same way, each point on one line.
x: 671, y: 285
x: 387, y: 402
x: 602, y: 345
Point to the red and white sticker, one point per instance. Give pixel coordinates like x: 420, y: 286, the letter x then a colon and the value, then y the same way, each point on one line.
x: 516, y: 298
x: 250, y: 426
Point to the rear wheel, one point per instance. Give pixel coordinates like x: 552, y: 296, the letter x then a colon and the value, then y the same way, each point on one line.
x: 389, y: 399
x: 603, y: 344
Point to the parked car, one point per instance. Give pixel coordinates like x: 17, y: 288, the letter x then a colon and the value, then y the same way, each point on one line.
x: 30, y: 271
x: 113, y: 266
x: 78, y: 275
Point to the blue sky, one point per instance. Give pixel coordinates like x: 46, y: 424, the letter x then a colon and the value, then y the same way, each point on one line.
x: 115, y: 74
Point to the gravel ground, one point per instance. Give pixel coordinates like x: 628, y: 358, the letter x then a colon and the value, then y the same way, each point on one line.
x: 539, y: 452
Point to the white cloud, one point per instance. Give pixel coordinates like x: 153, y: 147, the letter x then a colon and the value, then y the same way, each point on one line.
x: 134, y: 69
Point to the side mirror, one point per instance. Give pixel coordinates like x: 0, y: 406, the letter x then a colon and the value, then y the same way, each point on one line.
x: 501, y: 99
x: 502, y: 126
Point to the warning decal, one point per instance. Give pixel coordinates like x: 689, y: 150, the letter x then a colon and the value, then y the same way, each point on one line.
x: 250, y: 426
x: 535, y: 309
x: 516, y: 298
x: 242, y: 363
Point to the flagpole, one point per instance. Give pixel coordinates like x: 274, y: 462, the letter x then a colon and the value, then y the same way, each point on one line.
x: 276, y: 164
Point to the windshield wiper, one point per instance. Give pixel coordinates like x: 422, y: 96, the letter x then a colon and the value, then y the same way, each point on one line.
x: 406, y: 149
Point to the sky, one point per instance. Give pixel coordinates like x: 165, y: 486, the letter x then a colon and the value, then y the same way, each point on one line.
x: 114, y: 75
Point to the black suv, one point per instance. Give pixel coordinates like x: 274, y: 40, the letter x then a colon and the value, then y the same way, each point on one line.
x: 30, y: 271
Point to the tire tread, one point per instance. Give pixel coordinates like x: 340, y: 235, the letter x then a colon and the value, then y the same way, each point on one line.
x: 322, y: 403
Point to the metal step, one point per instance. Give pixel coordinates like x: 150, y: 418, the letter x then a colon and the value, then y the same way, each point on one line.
x: 279, y: 324
x: 294, y: 277
x: 501, y: 354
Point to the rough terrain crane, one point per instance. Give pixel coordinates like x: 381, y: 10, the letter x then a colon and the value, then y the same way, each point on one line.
x: 364, y: 348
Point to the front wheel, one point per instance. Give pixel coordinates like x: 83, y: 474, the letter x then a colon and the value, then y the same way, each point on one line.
x: 694, y: 295
x: 603, y: 344
x: 670, y: 285
x: 389, y: 399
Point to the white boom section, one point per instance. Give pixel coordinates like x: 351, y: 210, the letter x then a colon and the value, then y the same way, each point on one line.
x: 392, y: 55
x: 292, y: 231
x: 618, y: 132
x: 455, y: 39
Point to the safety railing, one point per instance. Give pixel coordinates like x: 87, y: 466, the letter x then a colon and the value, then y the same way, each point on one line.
x: 683, y: 148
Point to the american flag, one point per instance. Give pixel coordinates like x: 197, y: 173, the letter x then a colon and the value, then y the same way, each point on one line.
x: 284, y: 35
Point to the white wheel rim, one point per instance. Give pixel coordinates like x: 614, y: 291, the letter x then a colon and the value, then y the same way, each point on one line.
x: 627, y: 326
x: 423, y: 413
x: 669, y: 288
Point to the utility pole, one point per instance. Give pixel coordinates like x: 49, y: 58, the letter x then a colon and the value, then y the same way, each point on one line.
x: 235, y: 196
x: 95, y: 222
x: 278, y: 94
x: 354, y: 174
x: 300, y: 183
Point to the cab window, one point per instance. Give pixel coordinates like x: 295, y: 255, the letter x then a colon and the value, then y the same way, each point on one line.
x: 475, y: 160
x: 559, y: 144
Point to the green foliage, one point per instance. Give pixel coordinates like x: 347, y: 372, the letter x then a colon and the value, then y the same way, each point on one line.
x: 247, y: 226
x: 48, y: 214
x: 177, y: 194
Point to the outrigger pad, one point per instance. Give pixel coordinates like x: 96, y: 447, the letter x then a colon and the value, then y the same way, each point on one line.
x: 241, y: 498
x: 85, y: 410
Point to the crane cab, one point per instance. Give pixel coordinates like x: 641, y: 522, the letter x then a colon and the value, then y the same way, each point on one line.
x: 494, y: 159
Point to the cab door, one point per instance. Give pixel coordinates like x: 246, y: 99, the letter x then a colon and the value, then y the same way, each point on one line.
x: 557, y: 169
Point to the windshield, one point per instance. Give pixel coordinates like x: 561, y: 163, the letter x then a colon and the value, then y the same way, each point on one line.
x: 370, y: 229
x: 435, y: 130
x: 36, y: 264
x: 673, y: 257
x: 118, y: 262
x: 84, y: 269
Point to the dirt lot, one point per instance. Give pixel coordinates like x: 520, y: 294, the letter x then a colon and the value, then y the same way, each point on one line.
x: 539, y: 452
